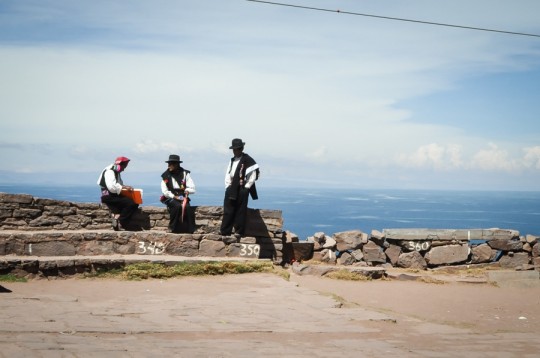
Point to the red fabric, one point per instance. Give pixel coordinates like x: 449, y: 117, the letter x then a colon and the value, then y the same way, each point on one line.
x: 121, y: 160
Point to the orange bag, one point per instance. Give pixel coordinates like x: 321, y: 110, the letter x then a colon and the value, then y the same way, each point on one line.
x: 135, y: 195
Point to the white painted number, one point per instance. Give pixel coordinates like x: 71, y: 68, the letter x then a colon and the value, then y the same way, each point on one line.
x: 153, y: 248
x: 249, y: 250
x: 419, y: 246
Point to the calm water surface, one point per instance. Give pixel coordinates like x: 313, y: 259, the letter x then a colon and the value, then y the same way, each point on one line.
x: 306, y: 211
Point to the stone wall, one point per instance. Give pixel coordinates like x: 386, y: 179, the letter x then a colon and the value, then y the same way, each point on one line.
x: 422, y: 248
x: 26, y: 213
x: 46, y: 227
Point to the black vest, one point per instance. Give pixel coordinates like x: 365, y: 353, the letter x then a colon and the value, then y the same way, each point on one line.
x: 180, y: 177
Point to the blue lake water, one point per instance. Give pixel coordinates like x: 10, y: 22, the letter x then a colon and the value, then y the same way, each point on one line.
x: 307, y: 211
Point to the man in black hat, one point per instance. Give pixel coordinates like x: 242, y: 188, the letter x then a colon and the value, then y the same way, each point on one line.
x: 176, y: 186
x: 240, y: 177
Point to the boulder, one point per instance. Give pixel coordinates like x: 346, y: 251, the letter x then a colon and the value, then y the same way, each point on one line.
x: 412, y: 260
x: 446, y: 255
x: 348, y: 240
x: 482, y: 253
x: 373, y: 253
x: 506, y: 245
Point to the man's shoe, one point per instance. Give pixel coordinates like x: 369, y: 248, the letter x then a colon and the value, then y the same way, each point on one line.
x: 119, y: 227
x: 115, y: 223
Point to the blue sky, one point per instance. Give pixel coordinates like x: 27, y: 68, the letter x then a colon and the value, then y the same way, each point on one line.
x: 321, y: 99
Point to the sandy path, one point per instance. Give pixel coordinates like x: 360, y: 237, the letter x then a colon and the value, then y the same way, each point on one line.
x: 263, y: 315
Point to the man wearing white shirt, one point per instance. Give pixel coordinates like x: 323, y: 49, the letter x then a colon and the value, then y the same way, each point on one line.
x: 111, y: 184
x: 176, y: 186
x: 240, y: 177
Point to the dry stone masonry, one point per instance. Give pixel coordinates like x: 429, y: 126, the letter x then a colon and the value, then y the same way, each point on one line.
x: 31, y: 227
x: 44, y: 227
x: 425, y: 248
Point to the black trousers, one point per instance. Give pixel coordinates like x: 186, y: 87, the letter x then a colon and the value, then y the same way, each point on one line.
x: 120, y: 205
x: 235, y: 212
x: 179, y: 223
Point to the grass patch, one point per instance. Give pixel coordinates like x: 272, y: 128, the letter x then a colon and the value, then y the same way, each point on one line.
x: 146, y: 270
x: 11, y: 278
x: 347, y: 276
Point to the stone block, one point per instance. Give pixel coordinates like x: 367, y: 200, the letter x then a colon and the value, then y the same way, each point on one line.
x: 212, y: 248
x: 373, y: 253
x: 412, y: 260
x: 16, y: 198
x: 188, y: 248
x: 27, y: 213
x: 51, y: 202
x: 446, y: 255
x: 449, y: 234
x: 302, y: 250
x: 51, y: 248
x: 5, y: 213
x: 97, y: 247
x: 60, y: 210
x: 345, y: 259
x: 392, y: 253
x: 482, y: 253
x: 506, y: 244
x: 536, y: 250
x: 514, y: 278
x: 316, y: 270
x: 514, y: 260
x: 329, y: 243
x: 46, y: 220
x: 531, y: 239
x: 244, y: 250
x: 348, y: 240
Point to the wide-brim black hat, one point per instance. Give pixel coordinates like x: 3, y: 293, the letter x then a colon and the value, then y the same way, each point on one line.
x: 237, y: 143
x: 173, y: 158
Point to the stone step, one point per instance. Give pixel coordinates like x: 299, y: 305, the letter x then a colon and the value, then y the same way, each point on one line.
x: 322, y: 270
x: 518, y: 279
x: 450, y: 234
x: 46, y: 266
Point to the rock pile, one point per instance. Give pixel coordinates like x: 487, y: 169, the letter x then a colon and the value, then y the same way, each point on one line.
x: 423, y: 248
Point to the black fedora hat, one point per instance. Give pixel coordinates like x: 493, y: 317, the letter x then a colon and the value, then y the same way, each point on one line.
x: 173, y: 158
x: 237, y: 143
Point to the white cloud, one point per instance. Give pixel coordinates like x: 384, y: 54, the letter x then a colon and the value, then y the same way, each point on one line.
x: 320, y: 154
x: 451, y: 157
x: 312, y: 86
x: 532, y: 157
x: 151, y: 146
x: 433, y: 155
x: 493, y: 158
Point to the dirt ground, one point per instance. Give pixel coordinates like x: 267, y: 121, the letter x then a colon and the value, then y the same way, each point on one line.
x: 255, y: 315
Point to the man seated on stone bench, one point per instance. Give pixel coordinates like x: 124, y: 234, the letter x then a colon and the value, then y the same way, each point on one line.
x: 122, y: 208
x: 176, y: 187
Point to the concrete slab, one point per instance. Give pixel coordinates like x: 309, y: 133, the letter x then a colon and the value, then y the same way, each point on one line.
x: 515, y: 278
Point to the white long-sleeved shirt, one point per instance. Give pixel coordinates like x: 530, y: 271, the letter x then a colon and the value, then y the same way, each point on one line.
x: 190, y: 186
x: 113, y: 185
x: 231, y: 169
